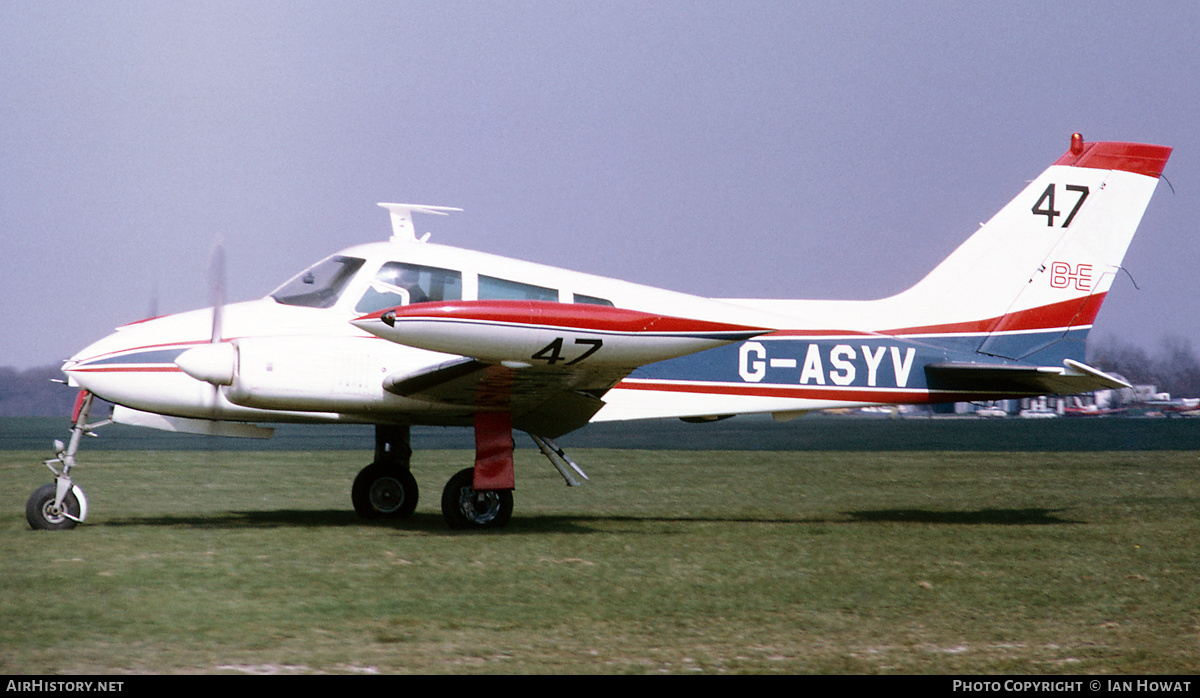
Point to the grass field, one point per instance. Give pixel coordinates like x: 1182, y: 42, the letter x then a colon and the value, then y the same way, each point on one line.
x: 667, y: 561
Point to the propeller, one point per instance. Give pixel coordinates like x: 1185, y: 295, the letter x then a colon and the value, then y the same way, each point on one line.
x: 216, y: 278
x: 214, y: 363
x: 152, y: 310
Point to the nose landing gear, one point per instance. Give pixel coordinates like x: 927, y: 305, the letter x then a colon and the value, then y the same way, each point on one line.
x: 61, y: 505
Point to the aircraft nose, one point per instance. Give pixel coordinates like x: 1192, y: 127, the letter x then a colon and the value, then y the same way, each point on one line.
x: 92, y: 367
x: 75, y: 366
x: 136, y: 365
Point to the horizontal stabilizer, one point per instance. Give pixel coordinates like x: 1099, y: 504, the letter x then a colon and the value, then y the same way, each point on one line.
x: 1070, y: 378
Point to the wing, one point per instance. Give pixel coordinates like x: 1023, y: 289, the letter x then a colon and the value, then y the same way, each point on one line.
x: 548, y: 364
x: 548, y: 402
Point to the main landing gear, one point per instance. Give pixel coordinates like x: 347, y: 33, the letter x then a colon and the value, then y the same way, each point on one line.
x: 464, y: 507
x: 386, y: 489
x: 475, y: 498
x: 61, y: 504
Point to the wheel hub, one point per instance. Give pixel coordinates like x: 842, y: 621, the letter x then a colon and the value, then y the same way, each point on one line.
x: 53, y: 514
x: 480, y: 507
x: 387, y: 495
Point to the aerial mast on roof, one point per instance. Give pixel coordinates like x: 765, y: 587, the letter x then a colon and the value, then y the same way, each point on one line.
x: 402, y: 223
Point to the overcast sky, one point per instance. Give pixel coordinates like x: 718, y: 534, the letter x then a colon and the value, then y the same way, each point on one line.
x: 752, y: 149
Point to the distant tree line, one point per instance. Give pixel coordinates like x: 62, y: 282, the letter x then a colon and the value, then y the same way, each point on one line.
x: 1173, y: 368
x: 32, y: 393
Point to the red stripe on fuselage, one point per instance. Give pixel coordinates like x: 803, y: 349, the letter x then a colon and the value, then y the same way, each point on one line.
x: 1077, y: 312
x: 579, y: 316
x: 127, y: 368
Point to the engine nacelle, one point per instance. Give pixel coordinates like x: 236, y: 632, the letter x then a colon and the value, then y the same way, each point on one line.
x: 334, y: 374
x: 298, y: 373
x: 550, y: 334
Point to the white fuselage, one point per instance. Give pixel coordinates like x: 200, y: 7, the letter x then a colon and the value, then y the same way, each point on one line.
x: 299, y: 363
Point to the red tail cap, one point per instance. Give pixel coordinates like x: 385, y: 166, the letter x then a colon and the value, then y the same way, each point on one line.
x: 1139, y: 158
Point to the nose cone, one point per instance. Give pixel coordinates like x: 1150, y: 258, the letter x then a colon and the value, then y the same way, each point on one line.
x: 211, y: 363
x: 75, y: 367
x: 118, y: 353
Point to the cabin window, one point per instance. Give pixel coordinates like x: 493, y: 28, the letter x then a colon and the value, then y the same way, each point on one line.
x: 398, y: 283
x: 320, y: 285
x: 591, y: 300
x: 493, y: 289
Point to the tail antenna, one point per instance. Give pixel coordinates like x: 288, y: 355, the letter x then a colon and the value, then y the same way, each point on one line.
x: 1131, y: 279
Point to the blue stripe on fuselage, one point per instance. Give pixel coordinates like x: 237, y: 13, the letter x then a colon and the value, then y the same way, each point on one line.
x: 155, y: 356
x: 859, y: 361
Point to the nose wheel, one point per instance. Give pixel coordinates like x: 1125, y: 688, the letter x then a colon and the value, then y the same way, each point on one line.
x: 44, y: 513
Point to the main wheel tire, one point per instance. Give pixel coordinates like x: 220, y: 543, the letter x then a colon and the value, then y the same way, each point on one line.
x: 464, y: 508
x: 383, y: 492
x: 44, y: 516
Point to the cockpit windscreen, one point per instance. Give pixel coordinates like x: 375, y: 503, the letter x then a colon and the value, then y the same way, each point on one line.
x: 320, y: 285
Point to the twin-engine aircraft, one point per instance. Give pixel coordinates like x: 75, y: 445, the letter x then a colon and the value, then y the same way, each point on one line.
x: 409, y: 332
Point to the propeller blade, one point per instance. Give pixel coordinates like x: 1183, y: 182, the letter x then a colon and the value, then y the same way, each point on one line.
x: 153, y: 309
x: 216, y: 277
x: 216, y: 271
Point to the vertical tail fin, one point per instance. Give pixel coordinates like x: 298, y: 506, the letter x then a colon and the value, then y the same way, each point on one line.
x: 1034, y: 276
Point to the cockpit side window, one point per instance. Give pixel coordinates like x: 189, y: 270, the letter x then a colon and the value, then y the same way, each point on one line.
x: 591, y: 300
x: 320, y: 285
x: 493, y: 289
x: 398, y: 283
